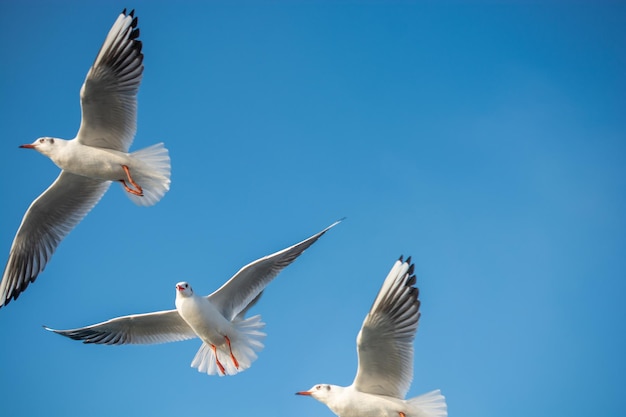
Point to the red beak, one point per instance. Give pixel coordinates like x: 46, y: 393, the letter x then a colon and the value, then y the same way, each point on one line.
x: 303, y: 393
x: 28, y: 146
x: 180, y: 287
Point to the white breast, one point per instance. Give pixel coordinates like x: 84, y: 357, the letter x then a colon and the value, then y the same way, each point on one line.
x: 87, y: 161
x: 353, y: 403
x: 204, y: 319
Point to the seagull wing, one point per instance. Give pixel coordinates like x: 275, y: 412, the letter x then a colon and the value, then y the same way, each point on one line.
x: 46, y: 222
x: 108, y: 96
x: 149, y: 328
x: 385, y: 342
x: 239, y: 291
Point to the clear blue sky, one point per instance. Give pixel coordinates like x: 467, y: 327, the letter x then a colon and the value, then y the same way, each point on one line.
x: 486, y: 140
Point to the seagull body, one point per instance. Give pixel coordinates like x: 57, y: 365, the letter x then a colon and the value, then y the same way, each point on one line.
x: 350, y: 402
x: 92, y: 162
x: 201, y: 315
x: 229, y: 346
x: 230, y: 341
x: 385, y: 350
x: 89, y: 162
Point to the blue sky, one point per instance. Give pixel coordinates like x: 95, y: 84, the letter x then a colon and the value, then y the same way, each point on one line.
x: 485, y: 139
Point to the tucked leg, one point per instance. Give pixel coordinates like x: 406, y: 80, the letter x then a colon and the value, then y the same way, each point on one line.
x: 130, y: 190
x: 231, y: 353
x: 401, y: 414
x: 217, y: 361
x: 138, y: 190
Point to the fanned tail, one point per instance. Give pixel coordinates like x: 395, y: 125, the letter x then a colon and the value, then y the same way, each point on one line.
x: 248, y: 341
x: 431, y: 404
x: 153, y: 174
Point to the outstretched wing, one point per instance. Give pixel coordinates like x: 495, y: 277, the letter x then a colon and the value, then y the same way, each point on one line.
x: 149, y: 328
x: 235, y: 295
x: 108, y: 97
x: 46, y: 223
x: 385, y: 342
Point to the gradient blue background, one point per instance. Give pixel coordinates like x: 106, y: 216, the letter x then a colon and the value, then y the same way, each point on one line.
x: 485, y: 139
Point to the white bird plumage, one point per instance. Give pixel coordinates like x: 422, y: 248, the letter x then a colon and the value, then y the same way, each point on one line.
x: 385, y: 351
x: 230, y: 341
x: 89, y: 162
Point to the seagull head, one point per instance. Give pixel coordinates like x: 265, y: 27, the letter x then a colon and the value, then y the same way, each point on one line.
x: 46, y: 146
x: 321, y: 392
x: 183, y: 289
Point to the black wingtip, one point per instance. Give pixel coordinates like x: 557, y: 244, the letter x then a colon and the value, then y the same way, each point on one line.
x: 401, y: 258
x: 336, y: 222
x: 408, y: 260
x: 134, y: 34
x: 411, y: 281
x: 331, y: 226
x: 14, y: 295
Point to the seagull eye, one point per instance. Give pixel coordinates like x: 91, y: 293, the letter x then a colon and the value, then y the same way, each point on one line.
x: 327, y: 387
x: 51, y: 141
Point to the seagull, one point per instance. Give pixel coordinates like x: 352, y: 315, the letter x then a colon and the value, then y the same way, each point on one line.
x: 89, y: 162
x: 229, y: 340
x: 385, y: 350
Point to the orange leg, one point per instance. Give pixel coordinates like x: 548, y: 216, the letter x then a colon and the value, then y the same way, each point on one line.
x: 231, y: 353
x: 401, y: 414
x: 130, y: 190
x: 139, y: 190
x: 217, y: 361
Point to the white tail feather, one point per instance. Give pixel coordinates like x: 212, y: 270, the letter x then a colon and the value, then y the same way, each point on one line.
x: 152, y: 174
x: 245, y: 344
x: 431, y: 404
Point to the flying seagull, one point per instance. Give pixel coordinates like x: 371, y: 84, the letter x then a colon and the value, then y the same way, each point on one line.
x: 229, y: 340
x: 385, y: 350
x: 89, y: 162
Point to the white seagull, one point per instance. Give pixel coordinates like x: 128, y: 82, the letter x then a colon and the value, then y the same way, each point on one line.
x: 385, y: 350
x: 229, y: 341
x: 89, y: 162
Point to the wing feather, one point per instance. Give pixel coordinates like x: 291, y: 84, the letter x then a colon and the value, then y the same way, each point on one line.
x: 149, y: 328
x: 109, y: 94
x: 239, y: 291
x: 385, y: 341
x: 46, y: 223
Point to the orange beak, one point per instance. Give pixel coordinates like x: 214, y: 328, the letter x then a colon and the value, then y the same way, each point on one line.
x: 28, y: 146
x: 303, y: 393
